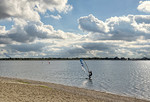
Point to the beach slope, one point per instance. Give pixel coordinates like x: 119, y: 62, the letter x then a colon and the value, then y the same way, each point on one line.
x: 21, y: 90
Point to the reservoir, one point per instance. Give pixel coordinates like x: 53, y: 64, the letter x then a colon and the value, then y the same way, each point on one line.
x: 131, y: 78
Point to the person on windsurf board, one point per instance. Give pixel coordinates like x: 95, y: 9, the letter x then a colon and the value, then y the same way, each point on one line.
x: 85, y: 68
x: 90, y: 74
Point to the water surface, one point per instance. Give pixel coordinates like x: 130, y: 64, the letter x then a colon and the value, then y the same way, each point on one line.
x: 130, y: 78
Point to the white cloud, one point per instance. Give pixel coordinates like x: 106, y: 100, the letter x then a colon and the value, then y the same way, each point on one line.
x: 119, y: 23
x: 141, y: 19
x: 18, y: 9
x: 52, y: 5
x: 2, y: 30
x: 92, y: 24
x: 57, y: 17
x: 25, y: 32
x: 36, y: 47
x: 130, y: 27
x: 124, y: 36
x: 29, y: 9
x: 3, y: 38
x: 144, y: 6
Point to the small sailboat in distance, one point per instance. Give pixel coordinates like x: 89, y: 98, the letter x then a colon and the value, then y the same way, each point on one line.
x: 85, y: 68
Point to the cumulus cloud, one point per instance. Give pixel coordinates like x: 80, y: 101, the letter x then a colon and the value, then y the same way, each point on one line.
x: 52, y: 5
x: 138, y: 48
x: 2, y: 30
x: 27, y: 47
x: 25, y: 32
x: 57, y: 17
x: 141, y: 19
x: 144, y: 6
x: 18, y: 9
x: 128, y: 28
x: 127, y: 36
x: 92, y: 24
x: 97, y: 46
x: 29, y: 9
x: 3, y: 38
x: 75, y: 52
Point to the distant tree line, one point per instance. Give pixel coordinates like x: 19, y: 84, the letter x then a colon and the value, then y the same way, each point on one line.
x: 77, y: 58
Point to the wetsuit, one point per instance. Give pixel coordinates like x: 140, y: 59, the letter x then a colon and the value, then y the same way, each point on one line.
x: 90, y: 74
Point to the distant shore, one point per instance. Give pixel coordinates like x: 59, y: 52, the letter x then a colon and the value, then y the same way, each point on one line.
x: 86, y: 58
x: 21, y: 90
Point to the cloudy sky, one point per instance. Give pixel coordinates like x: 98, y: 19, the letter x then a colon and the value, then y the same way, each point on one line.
x: 74, y: 28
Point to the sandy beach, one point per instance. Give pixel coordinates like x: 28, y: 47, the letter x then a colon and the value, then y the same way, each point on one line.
x: 21, y: 90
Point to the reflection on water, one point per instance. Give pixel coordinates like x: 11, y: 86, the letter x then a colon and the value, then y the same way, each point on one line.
x: 120, y: 77
x: 87, y: 83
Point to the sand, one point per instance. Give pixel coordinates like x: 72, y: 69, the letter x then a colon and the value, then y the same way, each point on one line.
x: 21, y: 90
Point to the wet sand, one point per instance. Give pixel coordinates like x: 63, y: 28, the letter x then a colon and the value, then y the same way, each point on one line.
x: 21, y: 90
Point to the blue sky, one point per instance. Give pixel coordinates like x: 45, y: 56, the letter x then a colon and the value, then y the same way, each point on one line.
x: 75, y: 28
x: 102, y: 9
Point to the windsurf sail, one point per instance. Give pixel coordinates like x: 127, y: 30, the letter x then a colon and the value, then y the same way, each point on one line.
x: 84, y: 66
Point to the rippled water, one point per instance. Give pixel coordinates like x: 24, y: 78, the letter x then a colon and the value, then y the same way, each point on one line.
x: 130, y: 78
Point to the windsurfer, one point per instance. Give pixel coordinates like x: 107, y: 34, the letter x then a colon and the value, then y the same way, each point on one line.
x: 85, y: 68
x: 90, y: 74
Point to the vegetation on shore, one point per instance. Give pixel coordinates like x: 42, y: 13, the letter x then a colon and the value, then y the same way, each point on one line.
x: 77, y: 58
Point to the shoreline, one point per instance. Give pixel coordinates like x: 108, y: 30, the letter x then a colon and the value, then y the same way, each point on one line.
x: 22, y: 90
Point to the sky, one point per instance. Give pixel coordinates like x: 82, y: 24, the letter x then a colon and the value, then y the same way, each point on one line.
x: 74, y: 28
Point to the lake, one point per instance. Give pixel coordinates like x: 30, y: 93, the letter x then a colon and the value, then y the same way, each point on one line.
x: 131, y: 78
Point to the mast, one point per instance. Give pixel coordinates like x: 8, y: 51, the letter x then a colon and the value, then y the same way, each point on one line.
x: 86, y: 66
